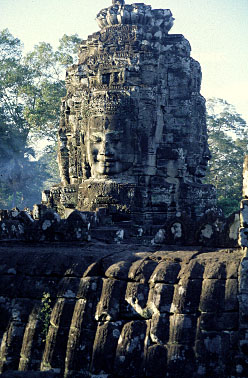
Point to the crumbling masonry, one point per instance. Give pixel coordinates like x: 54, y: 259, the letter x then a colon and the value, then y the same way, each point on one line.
x: 146, y: 277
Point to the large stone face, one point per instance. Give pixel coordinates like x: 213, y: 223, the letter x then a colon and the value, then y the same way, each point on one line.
x: 133, y: 134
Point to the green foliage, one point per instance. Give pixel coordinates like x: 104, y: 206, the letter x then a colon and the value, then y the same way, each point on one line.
x: 31, y: 88
x: 48, y: 162
x: 228, y: 205
x: 43, y: 108
x: 68, y: 49
x: 228, y: 144
x: 45, y: 314
x: 14, y: 151
x: 10, y: 47
x: 223, y: 116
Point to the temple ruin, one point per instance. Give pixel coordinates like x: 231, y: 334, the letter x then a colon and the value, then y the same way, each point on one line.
x: 132, y: 134
x: 127, y: 268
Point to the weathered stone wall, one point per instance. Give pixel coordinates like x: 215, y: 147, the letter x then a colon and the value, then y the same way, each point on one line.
x: 120, y: 311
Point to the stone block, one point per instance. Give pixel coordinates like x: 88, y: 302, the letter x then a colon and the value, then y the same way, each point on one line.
x: 166, y: 272
x: 135, y: 304
x: 225, y: 321
x: 79, y: 350
x: 214, y: 351
x: 105, y: 345
x: 159, y: 328
x: 108, y: 308
x: 181, y: 361
x: 142, y: 270
x: 213, y: 295
x: 160, y: 298
x: 62, y: 312
x: 68, y: 287
x: 187, y: 296
x: 156, y: 361
x: 181, y: 329
x: 88, y: 296
x: 129, y: 359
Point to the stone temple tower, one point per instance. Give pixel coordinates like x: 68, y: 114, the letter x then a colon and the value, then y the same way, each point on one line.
x: 132, y: 134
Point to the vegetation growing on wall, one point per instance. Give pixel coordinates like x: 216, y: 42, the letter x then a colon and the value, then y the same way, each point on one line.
x: 45, y: 314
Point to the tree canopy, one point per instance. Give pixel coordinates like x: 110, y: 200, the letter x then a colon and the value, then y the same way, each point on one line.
x: 31, y: 87
x: 227, y: 132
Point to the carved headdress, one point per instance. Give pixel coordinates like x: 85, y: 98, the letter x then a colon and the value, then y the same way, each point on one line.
x: 118, y: 2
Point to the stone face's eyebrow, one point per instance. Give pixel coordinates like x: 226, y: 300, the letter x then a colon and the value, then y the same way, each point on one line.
x: 115, y: 132
x: 97, y: 133
x: 96, y: 136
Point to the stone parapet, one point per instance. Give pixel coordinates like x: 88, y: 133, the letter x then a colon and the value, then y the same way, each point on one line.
x: 110, y: 222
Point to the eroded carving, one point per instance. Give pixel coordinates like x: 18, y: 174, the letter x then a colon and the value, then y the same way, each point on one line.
x: 110, y: 146
x: 133, y: 120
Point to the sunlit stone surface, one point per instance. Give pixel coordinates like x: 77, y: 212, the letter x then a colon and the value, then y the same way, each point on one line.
x: 132, y: 135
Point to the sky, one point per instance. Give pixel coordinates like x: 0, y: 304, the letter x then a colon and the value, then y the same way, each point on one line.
x: 216, y: 29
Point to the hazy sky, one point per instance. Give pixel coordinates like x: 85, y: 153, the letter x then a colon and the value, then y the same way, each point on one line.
x: 216, y: 29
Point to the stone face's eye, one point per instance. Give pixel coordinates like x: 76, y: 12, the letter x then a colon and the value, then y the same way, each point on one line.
x: 115, y: 139
x: 96, y: 139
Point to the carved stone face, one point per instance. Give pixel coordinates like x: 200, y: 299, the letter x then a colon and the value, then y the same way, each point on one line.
x: 205, y: 157
x: 110, y: 146
x: 198, y: 162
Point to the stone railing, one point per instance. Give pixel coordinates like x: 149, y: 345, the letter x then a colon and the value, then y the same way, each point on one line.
x: 43, y: 224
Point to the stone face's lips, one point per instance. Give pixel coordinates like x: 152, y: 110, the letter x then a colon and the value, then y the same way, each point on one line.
x: 107, y: 161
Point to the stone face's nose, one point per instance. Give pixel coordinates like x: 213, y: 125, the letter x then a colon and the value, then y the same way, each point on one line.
x: 207, y: 154
x: 106, y: 148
